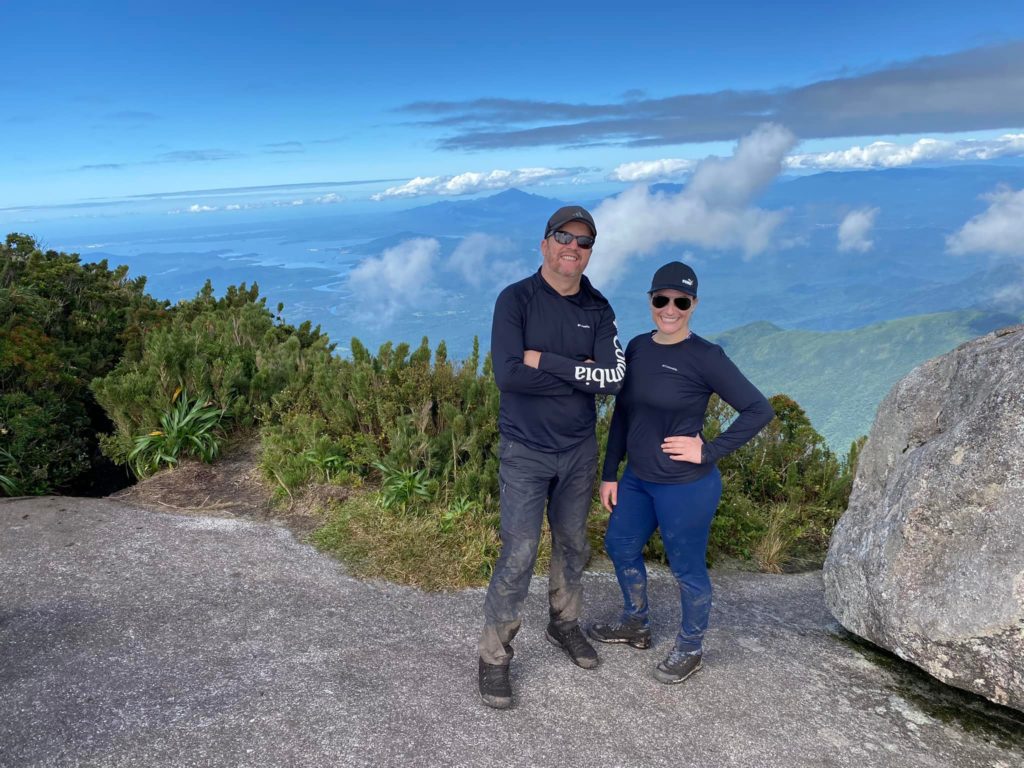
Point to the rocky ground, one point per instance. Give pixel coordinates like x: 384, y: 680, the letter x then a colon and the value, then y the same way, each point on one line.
x: 136, y: 637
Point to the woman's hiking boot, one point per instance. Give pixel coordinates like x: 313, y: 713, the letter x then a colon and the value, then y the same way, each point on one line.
x: 574, y: 644
x: 678, y: 666
x: 633, y: 633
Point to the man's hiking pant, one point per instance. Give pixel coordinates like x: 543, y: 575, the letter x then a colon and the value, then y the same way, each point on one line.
x: 529, y: 480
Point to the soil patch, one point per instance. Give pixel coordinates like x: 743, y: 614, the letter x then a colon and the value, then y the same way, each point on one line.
x: 233, y: 487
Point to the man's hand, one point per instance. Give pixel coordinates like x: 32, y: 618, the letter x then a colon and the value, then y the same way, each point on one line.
x: 531, y: 357
x: 683, y: 448
x: 609, y: 494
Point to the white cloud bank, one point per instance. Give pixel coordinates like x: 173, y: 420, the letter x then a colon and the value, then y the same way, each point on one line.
x: 876, y: 156
x: 999, y: 230
x: 855, y: 228
x: 472, y: 182
x: 885, y: 154
x: 713, y: 211
x: 328, y: 199
x: 486, y: 261
x: 652, y: 170
x: 412, y: 274
x: 383, y: 286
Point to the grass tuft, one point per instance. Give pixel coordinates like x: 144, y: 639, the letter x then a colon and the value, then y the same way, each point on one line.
x: 449, y: 547
x: 773, y: 549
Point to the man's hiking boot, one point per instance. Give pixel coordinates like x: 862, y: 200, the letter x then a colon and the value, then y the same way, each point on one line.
x: 495, y: 688
x: 632, y: 632
x: 677, y: 666
x: 574, y: 644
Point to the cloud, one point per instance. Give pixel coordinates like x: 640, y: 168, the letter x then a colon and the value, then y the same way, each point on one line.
x: 196, y: 156
x: 472, y: 182
x: 976, y: 89
x: 412, y: 275
x: 486, y: 261
x: 885, y: 154
x: 329, y: 199
x: 712, y: 211
x: 284, y: 148
x: 1000, y: 229
x: 132, y: 116
x: 177, y: 156
x: 1010, y: 298
x: 382, y: 286
x: 652, y: 170
x: 855, y: 228
x: 877, y: 155
x: 260, y: 189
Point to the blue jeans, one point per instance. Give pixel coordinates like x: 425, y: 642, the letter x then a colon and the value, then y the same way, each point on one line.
x: 683, y: 512
x: 530, y: 481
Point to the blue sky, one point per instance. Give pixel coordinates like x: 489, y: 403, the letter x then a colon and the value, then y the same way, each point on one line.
x: 111, y: 101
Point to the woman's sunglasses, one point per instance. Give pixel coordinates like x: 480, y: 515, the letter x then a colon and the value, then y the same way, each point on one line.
x: 681, y: 302
x: 586, y: 242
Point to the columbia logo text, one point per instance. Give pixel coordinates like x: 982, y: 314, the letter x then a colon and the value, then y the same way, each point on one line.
x: 602, y: 376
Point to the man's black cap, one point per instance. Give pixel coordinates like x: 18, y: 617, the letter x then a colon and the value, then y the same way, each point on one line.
x: 564, y: 215
x: 675, y: 275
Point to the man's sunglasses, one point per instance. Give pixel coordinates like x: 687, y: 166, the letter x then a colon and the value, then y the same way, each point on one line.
x: 583, y: 241
x: 681, y: 302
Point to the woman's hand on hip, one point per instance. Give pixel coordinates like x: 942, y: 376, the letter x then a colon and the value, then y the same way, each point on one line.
x: 683, y: 448
x: 609, y: 494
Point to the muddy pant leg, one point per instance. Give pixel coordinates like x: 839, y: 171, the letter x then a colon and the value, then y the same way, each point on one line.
x: 524, y: 477
x: 571, y: 493
x: 629, y: 528
x: 684, y: 516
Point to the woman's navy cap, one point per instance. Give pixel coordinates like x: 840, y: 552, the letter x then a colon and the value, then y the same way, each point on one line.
x: 675, y: 275
x: 568, y: 213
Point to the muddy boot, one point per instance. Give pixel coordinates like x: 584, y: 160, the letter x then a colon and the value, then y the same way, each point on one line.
x: 495, y: 688
x: 574, y: 644
x: 677, y: 666
x: 632, y: 632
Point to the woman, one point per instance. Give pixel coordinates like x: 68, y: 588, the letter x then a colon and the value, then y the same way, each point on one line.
x: 670, y: 481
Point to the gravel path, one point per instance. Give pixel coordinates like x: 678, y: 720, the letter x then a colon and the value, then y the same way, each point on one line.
x: 136, y: 638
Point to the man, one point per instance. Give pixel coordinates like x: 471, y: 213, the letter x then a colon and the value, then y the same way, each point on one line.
x: 554, y: 345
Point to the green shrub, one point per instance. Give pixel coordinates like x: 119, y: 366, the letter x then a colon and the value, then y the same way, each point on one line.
x: 402, y: 488
x: 232, y: 348
x: 782, y: 492
x: 411, y: 420
x: 8, y: 484
x: 62, y: 323
x: 186, y: 429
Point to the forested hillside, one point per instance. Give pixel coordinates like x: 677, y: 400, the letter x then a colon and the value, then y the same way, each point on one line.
x: 840, y: 377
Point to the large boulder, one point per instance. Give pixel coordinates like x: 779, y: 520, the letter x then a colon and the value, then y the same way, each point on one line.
x: 928, y: 560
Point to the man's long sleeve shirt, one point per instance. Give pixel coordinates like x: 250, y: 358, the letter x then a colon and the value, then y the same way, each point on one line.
x: 551, y: 408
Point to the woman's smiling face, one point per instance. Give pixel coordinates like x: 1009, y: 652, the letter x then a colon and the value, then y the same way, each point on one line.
x: 671, y: 319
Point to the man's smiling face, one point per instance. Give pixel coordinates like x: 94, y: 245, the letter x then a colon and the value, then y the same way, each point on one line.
x: 570, y: 260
